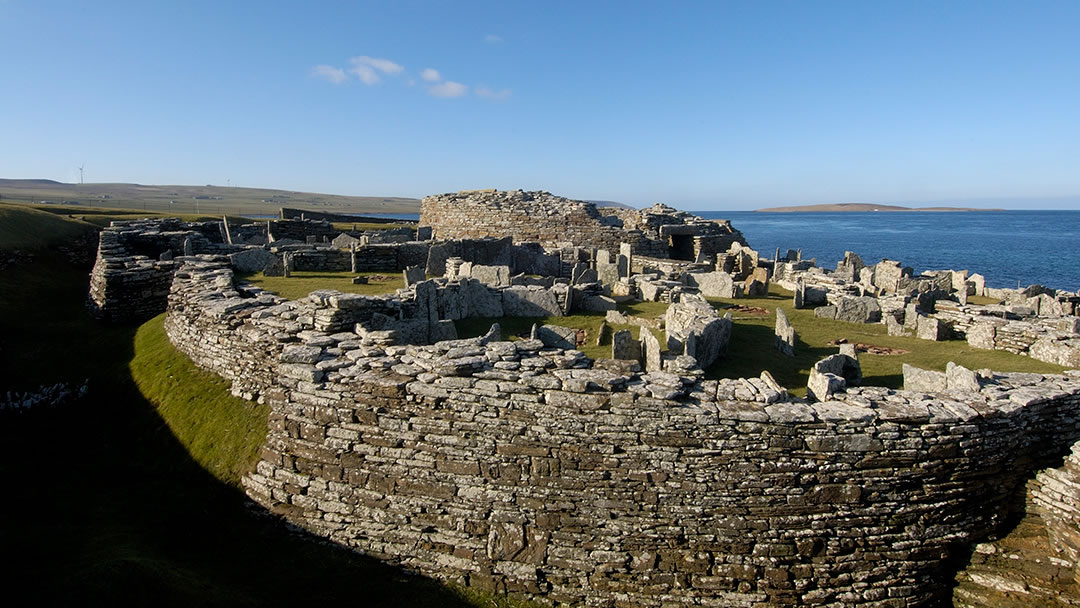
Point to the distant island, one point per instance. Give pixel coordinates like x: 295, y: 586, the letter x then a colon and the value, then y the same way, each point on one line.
x: 862, y: 207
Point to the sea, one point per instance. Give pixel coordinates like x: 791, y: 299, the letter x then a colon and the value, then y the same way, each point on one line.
x: 1009, y: 248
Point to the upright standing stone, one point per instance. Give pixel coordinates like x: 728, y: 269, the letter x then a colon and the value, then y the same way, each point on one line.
x: 799, y: 299
x: 929, y: 328
x: 650, y: 351
x: 225, y: 225
x: 785, y: 334
x: 286, y: 264
x: 626, y: 259
x: 189, y: 247
x: 624, y: 346
x: 414, y: 275
x: 352, y: 259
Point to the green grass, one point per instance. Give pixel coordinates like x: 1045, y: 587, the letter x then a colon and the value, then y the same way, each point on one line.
x: 27, y: 228
x: 301, y: 283
x: 221, y: 432
x: 362, y: 226
x: 515, y: 327
x: 751, y: 349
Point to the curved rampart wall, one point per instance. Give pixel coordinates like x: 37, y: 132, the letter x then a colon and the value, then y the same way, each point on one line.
x: 510, y: 466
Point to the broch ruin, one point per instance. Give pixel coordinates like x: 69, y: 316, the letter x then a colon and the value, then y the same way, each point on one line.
x: 525, y: 466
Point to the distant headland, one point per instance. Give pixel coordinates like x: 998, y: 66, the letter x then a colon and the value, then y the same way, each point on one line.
x: 851, y: 207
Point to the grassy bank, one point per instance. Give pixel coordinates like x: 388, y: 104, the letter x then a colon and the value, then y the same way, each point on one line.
x: 128, y: 495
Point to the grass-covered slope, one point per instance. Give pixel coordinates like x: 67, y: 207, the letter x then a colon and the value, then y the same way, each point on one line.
x: 221, y: 432
x: 23, y: 227
x: 128, y: 495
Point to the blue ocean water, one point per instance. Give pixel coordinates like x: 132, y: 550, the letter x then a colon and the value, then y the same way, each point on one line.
x: 1004, y: 246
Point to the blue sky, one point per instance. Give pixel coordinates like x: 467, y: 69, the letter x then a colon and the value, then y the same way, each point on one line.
x: 713, y: 105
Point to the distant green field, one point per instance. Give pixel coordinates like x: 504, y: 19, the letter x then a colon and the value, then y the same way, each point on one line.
x: 198, y: 200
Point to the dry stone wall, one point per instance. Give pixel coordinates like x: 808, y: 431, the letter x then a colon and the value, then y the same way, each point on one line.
x: 513, y: 466
x: 135, y: 263
x: 546, y: 218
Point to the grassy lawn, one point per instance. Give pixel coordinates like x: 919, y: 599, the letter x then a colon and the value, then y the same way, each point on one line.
x: 301, y: 283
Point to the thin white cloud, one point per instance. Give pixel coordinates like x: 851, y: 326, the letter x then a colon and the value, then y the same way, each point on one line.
x: 492, y: 39
x: 431, y: 75
x: 493, y: 95
x: 329, y: 73
x: 365, y: 73
x: 383, y: 65
x: 367, y: 68
x: 448, y: 89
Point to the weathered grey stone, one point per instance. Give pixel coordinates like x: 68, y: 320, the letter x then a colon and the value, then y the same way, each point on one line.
x: 414, y: 275
x: 597, y: 304
x: 823, y: 385
x: 785, y: 334
x: 556, y: 336
x: 251, y: 260
x: 825, y: 312
x: 650, y: 351
x: 624, y: 346
x: 961, y: 379
x: 717, y: 284
x: 477, y: 300
x: 498, y: 276
x: 863, y: 309
x: 929, y: 328
x: 527, y: 302
x: 607, y: 273
x: 924, y: 380
x: 1058, y: 350
x: 755, y: 288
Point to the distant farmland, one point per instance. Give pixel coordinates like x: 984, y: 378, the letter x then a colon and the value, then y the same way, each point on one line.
x: 196, y: 199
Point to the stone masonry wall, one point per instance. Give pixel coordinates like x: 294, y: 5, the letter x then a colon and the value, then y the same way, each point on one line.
x: 134, y: 266
x: 512, y: 466
x: 546, y: 218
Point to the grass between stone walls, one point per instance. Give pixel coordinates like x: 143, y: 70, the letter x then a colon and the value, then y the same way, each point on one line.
x: 751, y: 349
x: 221, y: 432
x: 302, y: 282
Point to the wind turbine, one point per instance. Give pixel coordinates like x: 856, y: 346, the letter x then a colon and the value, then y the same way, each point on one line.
x: 81, y: 172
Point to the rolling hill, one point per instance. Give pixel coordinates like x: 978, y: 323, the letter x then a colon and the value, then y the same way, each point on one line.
x: 196, y: 199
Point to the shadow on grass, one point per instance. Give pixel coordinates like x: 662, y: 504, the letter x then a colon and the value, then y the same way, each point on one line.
x: 103, y: 504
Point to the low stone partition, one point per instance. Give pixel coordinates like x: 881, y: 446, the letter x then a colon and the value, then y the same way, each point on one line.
x: 1054, y: 339
x: 373, y: 257
x: 511, y: 466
